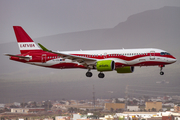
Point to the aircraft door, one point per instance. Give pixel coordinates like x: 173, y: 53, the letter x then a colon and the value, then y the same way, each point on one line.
x: 43, y: 58
x: 152, y: 55
x: 105, y: 55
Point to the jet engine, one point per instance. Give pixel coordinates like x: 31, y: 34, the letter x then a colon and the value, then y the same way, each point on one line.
x: 126, y: 69
x: 105, y: 65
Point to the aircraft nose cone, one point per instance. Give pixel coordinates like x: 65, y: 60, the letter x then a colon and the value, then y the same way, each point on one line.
x: 173, y: 60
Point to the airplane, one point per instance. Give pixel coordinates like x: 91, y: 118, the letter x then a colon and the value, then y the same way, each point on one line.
x: 119, y: 60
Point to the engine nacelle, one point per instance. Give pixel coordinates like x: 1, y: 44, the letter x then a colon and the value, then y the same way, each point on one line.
x: 126, y: 69
x: 105, y: 65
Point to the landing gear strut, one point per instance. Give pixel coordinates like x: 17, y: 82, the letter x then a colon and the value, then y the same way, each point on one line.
x: 89, y: 74
x: 161, y: 67
x: 101, y: 75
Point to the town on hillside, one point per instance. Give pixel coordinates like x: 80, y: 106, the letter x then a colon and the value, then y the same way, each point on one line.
x: 131, y: 108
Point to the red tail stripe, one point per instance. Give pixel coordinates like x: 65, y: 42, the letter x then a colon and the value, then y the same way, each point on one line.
x: 21, y: 35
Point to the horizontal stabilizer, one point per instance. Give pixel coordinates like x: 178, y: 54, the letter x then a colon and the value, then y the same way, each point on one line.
x: 23, y: 57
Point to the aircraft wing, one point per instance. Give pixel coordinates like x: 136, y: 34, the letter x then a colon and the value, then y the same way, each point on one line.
x: 80, y: 59
x: 23, y: 57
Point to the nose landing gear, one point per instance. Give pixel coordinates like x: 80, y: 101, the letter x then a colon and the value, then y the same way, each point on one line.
x: 161, y: 67
x: 161, y: 73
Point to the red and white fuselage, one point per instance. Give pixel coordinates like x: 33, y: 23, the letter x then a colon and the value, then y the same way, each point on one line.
x: 32, y: 54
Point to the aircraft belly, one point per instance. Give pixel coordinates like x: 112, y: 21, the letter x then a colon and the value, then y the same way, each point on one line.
x: 56, y: 63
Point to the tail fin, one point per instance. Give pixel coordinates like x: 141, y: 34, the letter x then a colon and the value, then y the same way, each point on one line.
x: 26, y: 44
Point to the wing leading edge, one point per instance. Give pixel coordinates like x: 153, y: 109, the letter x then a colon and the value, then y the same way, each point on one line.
x: 74, y: 58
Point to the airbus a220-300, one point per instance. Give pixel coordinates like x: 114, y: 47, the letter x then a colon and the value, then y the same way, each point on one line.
x: 119, y: 60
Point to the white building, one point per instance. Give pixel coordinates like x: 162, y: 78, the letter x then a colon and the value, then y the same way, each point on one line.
x: 19, y: 110
x: 79, y: 116
x: 26, y: 110
x: 169, y: 104
x: 62, y: 118
x: 140, y: 115
x: 2, y: 105
x: 17, y: 104
x: 121, y: 99
x: 133, y: 108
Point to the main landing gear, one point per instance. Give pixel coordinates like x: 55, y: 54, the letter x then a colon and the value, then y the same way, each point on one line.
x: 161, y: 67
x: 101, y: 75
x: 89, y: 74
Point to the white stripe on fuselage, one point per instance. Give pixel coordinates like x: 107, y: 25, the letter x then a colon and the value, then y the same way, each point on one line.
x: 117, y: 52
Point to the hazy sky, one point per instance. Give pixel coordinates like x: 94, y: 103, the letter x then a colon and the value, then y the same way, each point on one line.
x: 48, y: 17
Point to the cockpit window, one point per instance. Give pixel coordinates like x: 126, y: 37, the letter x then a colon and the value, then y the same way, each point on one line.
x: 168, y: 54
x: 165, y: 53
x: 162, y: 53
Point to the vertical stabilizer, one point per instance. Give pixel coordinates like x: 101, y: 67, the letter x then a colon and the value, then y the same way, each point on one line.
x: 25, y: 43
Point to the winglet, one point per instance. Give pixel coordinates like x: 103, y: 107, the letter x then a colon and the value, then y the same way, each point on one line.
x: 43, y: 48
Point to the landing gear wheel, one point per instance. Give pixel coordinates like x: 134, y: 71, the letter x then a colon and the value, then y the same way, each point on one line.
x: 89, y: 74
x: 101, y: 75
x: 161, y: 73
x: 161, y: 67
